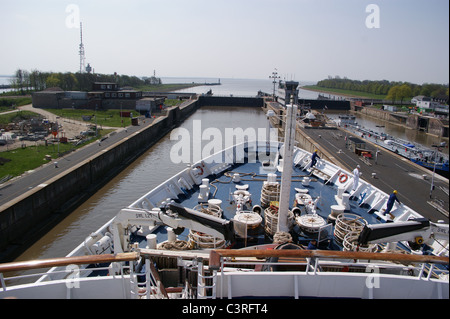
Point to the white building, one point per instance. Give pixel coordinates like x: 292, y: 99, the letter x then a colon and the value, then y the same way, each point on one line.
x: 418, y: 98
x: 426, y: 103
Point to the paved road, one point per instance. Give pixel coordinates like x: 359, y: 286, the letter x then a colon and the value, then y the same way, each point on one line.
x: 392, y: 172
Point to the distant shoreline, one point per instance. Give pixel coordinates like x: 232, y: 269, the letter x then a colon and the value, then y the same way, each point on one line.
x: 169, y: 87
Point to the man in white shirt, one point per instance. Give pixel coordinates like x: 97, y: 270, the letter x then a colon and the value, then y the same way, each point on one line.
x: 356, y: 175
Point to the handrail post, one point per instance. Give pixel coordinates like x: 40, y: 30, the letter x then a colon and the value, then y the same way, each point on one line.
x: 316, y: 262
x: 296, y: 292
x: 430, y: 271
x: 221, y: 277
x: 2, y: 282
x: 148, y: 279
x: 422, y: 269
x: 134, y: 291
x: 308, y: 265
x: 201, y: 290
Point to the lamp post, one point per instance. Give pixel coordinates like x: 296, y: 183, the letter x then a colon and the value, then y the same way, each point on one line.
x: 95, y: 114
x: 432, y: 176
x: 269, y: 114
x: 274, y: 76
x: 121, y: 119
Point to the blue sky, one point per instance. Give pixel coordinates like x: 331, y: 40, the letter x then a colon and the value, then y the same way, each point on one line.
x: 306, y: 40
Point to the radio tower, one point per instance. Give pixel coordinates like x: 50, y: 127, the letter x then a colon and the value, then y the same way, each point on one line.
x: 82, y: 53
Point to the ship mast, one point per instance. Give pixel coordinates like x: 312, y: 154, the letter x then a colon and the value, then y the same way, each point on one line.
x: 286, y: 176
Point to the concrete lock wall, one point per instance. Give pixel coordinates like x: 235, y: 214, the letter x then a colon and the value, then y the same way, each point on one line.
x: 326, y: 104
x: 230, y: 101
x: 384, y: 115
x: 27, y: 214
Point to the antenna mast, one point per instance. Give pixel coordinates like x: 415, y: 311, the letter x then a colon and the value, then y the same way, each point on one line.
x: 82, y: 53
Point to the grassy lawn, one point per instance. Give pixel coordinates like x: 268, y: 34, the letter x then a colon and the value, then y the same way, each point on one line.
x: 16, y: 101
x: 17, y: 116
x: 344, y: 92
x: 172, y: 102
x: 104, y: 118
x: 18, y: 161
x: 29, y: 158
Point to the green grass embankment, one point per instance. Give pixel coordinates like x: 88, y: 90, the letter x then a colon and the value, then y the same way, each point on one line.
x: 16, y: 161
x: 348, y: 93
x: 7, y: 102
x: 109, y: 118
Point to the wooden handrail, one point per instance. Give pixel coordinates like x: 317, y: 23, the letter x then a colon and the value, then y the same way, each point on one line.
x: 65, y: 261
x: 217, y: 254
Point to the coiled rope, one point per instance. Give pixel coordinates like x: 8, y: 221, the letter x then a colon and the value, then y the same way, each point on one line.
x: 175, y: 245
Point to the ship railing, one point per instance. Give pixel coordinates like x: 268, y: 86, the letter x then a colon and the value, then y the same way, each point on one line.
x: 153, y: 287
x: 143, y: 284
x: 226, y: 262
x: 71, y: 271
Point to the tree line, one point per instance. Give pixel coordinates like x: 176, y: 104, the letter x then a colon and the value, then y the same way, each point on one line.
x: 29, y: 81
x: 395, y: 91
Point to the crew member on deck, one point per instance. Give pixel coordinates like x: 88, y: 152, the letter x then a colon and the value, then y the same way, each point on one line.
x: 314, y: 158
x: 312, y: 245
x: 356, y: 175
x: 390, y: 203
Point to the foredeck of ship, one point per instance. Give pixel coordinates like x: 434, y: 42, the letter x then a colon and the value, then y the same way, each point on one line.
x: 222, y: 186
x: 393, y: 172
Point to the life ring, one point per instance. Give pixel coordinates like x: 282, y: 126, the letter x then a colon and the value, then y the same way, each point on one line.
x: 343, y: 178
x: 201, y: 170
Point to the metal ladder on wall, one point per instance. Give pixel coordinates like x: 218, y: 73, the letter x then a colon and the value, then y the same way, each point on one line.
x: 205, y: 291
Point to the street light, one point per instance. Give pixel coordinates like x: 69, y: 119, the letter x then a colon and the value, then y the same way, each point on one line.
x: 432, y: 176
x: 95, y: 114
x: 121, y: 119
x: 274, y: 76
